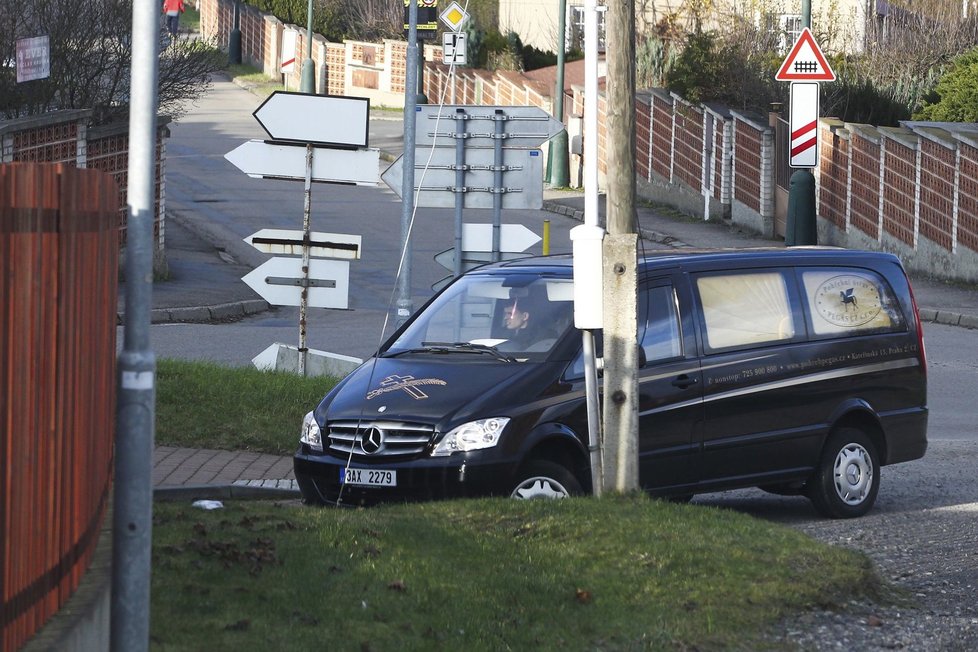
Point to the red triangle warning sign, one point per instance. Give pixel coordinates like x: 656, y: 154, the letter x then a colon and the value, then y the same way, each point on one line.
x: 805, y: 61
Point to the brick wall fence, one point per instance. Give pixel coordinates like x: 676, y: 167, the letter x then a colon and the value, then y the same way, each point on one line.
x: 66, y: 137
x: 911, y: 190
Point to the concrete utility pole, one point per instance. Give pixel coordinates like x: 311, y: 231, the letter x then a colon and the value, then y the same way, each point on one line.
x: 620, y: 257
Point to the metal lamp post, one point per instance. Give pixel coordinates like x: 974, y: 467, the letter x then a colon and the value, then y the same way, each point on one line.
x: 307, y: 81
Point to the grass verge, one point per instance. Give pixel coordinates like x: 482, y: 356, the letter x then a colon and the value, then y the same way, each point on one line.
x: 610, y: 574
x: 205, y: 405
x: 254, y: 80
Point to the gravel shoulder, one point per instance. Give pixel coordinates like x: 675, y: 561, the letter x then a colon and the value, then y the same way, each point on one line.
x: 922, y: 536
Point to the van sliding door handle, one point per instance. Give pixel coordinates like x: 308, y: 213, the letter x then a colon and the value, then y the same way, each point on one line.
x: 683, y: 382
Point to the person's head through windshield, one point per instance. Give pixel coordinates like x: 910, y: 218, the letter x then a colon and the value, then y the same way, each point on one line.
x: 516, y: 317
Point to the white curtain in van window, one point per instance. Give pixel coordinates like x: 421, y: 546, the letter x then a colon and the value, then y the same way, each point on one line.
x: 742, y: 309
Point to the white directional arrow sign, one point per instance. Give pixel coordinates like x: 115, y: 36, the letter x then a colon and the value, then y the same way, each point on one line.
x: 321, y: 245
x: 279, y: 281
x: 515, y: 126
x: 512, y: 238
x: 522, y: 178
x: 258, y: 158
x: 318, y: 119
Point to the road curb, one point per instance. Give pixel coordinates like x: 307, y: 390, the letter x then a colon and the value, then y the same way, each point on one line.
x: 267, y: 490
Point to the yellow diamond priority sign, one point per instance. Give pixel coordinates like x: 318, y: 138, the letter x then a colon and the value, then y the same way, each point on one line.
x: 454, y: 16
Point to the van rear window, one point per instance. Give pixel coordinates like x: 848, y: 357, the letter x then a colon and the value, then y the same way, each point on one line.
x: 850, y: 302
x: 745, y: 309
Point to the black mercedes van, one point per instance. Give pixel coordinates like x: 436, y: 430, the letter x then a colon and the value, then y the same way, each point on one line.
x: 799, y: 371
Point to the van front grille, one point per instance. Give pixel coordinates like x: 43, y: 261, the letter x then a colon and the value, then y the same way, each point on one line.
x: 373, y: 439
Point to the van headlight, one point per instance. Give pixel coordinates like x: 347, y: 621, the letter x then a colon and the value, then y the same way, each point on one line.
x: 483, y: 433
x: 311, y: 435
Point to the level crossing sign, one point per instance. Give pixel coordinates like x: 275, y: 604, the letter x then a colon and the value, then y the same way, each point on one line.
x: 804, y: 125
x: 805, y: 61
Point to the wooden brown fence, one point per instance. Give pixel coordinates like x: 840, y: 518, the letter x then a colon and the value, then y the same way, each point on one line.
x: 59, y: 248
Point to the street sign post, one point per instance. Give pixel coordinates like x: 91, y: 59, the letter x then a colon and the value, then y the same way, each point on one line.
x: 321, y: 245
x: 263, y: 159
x: 453, y: 48
x: 338, y: 122
x: 289, y: 40
x: 805, y: 66
x: 435, y: 177
x: 479, y: 157
x: 805, y: 61
x: 454, y: 16
x: 521, y: 126
x: 332, y: 120
x: 280, y: 282
x: 513, y: 238
x: 804, y: 125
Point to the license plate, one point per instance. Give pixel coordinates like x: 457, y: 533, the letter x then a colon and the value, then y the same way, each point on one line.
x: 368, y: 477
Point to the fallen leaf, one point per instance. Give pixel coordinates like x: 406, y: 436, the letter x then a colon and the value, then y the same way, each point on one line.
x: 874, y: 621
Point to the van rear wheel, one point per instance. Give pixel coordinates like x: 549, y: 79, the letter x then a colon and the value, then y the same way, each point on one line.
x: 847, y: 479
x: 542, y: 479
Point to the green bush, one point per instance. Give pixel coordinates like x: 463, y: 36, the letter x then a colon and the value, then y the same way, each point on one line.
x: 327, y: 16
x: 955, y: 97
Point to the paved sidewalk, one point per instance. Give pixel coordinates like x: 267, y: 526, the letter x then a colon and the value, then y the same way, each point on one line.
x: 195, y: 473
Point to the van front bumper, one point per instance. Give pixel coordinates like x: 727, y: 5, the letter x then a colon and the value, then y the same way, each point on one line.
x: 455, y: 476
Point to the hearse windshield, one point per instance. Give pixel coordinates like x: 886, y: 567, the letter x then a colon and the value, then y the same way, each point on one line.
x: 511, y: 317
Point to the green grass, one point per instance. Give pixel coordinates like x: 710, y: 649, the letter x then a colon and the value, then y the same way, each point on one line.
x: 190, y: 19
x: 254, y: 80
x: 624, y: 573
x: 205, y: 405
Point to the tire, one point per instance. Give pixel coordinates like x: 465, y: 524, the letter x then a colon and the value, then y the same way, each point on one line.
x: 542, y: 479
x: 847, y: 479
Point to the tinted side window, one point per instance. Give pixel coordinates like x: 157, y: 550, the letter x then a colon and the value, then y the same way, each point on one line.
x: 845, y: 301
x: 741, y: 309
x: 662, y: 339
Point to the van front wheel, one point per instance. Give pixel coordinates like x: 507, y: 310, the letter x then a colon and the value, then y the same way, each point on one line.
x: 542, y: 479
x: 847, y: 479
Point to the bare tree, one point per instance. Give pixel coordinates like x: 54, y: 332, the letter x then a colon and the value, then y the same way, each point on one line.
x: 90, y: 60
x: 910, y: 44
x: 371, y: 20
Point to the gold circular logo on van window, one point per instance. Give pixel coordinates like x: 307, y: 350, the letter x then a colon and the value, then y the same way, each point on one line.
x: 848, y: 300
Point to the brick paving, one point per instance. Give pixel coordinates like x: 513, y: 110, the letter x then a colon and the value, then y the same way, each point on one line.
x: 178, y: 467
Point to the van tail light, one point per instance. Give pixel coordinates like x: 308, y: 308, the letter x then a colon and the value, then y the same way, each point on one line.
x: 920, y: 330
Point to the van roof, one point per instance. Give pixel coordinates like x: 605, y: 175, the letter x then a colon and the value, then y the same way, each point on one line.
x: 709, y: 257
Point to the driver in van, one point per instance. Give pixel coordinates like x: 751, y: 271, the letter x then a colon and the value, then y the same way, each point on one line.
x: 516, y: 319
x: 525, y: 330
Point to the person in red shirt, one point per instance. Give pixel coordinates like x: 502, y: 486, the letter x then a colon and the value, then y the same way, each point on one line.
x: 173, y: 9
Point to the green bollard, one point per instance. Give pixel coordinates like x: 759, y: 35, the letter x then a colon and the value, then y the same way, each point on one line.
x: 801, y: 228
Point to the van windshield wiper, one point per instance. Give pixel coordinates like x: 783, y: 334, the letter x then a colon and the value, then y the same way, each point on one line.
x: 454, y: 347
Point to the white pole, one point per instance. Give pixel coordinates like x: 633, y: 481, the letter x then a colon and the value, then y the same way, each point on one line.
x: 591, y: 112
